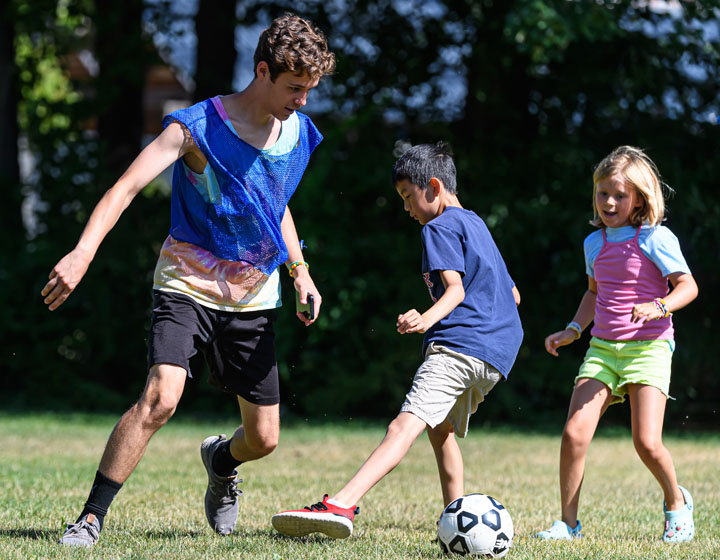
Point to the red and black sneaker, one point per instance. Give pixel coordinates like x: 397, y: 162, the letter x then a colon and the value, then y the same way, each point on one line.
x: 334, y: 521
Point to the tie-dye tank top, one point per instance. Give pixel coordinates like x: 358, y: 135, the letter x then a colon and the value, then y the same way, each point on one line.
x: 225, y: 242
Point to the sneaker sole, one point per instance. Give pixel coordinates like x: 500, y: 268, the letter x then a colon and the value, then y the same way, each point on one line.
x: 301, y: 524
x: 77, y: 542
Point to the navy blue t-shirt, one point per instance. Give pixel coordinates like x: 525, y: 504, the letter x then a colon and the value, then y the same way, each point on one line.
x: 486, y: 323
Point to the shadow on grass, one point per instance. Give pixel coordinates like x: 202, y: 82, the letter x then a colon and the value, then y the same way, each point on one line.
x: 312, y: 538
x: 31, y: 533
x: 53, y: 535
x: 168, y: 533
x: 171, y: 534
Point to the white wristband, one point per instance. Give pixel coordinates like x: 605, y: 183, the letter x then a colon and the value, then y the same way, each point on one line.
x: 575, y: 326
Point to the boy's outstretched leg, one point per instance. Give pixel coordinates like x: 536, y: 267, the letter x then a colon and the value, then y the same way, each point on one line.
x: 335, y: 516
x: 255, y: 438
x: 126, y: 446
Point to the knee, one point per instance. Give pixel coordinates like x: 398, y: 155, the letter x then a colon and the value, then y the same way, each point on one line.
x: 155, y: 411
x: 262, y: 444
x: 402, y: 430
x: 648, y: 448
x: 575, y: 437
x: 395, y: 430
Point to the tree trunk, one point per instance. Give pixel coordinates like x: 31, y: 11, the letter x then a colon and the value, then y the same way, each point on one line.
x: 215, y: 28
x: 122, y: 56
x: 9, y: 169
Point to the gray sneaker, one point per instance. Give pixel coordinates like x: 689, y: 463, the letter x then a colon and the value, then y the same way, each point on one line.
x: 84, y: 532
x: 221, y: 504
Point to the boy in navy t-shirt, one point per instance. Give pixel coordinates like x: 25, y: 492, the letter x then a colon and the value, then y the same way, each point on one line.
x: 473, y: 334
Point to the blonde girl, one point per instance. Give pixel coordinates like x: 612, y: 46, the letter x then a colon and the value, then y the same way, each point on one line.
x: 629, y: 261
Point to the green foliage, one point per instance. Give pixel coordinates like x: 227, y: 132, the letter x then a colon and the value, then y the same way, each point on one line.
x: 58, y: 359
x: 550, y: 88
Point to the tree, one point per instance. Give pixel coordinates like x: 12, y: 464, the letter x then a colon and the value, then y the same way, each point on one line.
x: 549, y: 89
x: 122, y: 54
x: 9, y: 168
x: 215, y: 28
x: 530, y: 94
x: 44, y: 349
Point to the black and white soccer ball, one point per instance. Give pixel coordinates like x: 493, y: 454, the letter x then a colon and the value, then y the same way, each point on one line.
x: 476, y: 525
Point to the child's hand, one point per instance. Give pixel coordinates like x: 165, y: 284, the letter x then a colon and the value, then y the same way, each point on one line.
x: 410, y: 322
x: 644, y: 312
x: 560, y: 338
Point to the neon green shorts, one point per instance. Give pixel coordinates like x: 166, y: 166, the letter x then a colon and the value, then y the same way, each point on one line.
x: 617, y: 363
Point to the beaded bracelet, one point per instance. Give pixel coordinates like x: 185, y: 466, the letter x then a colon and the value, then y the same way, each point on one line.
x: 662, y: 307
x: 574, y: 326
x: 293, y: 266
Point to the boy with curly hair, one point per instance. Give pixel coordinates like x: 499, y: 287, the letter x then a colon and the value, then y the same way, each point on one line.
x: 237, y: 161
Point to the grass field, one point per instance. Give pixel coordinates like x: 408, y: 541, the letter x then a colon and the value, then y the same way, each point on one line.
x: 47, y: 463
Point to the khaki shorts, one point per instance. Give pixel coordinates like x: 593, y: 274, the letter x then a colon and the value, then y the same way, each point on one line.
x: 617, y: 363
x: 449, y: 385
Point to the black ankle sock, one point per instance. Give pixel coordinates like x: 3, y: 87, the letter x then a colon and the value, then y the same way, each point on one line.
x: 101, y: 496
x: 223, y: 462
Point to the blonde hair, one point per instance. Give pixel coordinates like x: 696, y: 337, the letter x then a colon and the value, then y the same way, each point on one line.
x: 639, y: 171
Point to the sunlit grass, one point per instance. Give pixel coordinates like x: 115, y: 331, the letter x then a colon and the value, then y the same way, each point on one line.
x: 47, y: 464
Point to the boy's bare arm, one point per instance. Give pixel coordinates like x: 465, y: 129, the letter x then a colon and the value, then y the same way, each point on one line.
x: 155, y: 158
x: 413, y: 321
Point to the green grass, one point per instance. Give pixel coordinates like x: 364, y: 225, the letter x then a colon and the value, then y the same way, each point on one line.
x: 47, y: 463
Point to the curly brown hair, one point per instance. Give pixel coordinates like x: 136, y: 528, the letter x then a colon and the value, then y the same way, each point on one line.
x: 293, y: 44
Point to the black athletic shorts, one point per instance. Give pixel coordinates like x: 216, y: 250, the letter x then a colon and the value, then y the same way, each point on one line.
x: 238, y: 346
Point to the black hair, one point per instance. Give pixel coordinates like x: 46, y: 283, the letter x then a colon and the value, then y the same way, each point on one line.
x: 423, y: 162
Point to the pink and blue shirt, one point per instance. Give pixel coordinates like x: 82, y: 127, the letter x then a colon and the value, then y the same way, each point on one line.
x: 630, y: 266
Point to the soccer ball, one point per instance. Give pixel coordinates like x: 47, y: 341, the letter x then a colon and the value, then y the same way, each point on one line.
x: 476, y: 525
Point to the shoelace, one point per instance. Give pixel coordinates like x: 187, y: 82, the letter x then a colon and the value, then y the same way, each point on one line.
x: 76, y: 528
x: 232, y: 489
x: 320, y: 506
x: 222, y: 488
